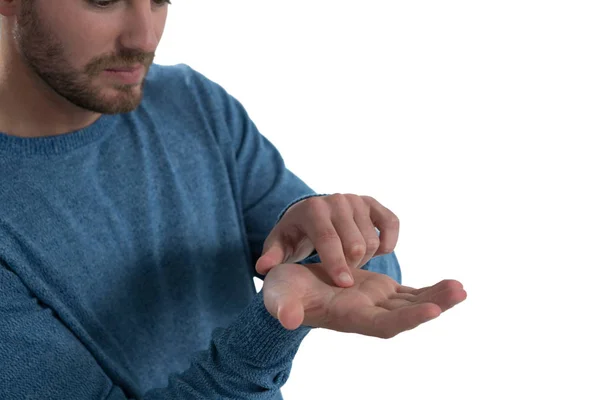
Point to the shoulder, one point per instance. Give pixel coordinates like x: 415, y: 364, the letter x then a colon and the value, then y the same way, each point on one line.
x: 182, y: 85
x: 180, y: 92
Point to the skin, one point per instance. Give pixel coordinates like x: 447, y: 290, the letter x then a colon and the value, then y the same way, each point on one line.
x: 341, y: 227
x: 53, y: 54
x: 375, y: 306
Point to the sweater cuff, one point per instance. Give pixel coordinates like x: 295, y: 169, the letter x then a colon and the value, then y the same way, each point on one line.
x: 297, y: 201
x: 260, y: 337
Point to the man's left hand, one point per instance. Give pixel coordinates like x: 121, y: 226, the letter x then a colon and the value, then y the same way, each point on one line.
x: 341, y: 227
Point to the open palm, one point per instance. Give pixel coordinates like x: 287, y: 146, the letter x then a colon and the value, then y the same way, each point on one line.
x: 375, y: 305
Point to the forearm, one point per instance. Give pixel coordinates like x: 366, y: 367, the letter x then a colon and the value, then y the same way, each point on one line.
x: 41, y: 357
x: 251, y: 359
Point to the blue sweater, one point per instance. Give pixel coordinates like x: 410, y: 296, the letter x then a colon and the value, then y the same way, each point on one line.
x: 127, y: 253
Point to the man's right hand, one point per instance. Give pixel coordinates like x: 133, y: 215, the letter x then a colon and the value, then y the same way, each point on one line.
x: 375, y: 306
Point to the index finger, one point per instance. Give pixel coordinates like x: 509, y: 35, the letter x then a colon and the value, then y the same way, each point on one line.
x: 328, y: 244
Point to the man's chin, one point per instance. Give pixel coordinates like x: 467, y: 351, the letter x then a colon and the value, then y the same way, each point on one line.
x: 123, y: 99
x: 115, y: 109
x: 115, y: 102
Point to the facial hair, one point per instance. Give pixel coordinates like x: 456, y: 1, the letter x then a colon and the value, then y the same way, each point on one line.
x: 45, y: 55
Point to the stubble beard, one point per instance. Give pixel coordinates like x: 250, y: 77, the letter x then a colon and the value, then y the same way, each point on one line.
x: 45, y: 55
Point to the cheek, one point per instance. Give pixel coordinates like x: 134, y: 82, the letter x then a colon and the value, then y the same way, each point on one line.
x: 84, y: 49
x: 83, y: 38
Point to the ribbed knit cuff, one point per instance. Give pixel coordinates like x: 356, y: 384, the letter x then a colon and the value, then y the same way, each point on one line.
x: 261, y: 338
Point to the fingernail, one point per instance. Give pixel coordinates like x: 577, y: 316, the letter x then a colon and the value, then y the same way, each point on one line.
x: 345, y: 278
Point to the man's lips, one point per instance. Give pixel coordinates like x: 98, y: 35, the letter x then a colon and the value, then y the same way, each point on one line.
x: 125, y: 69
x: 126, y: 75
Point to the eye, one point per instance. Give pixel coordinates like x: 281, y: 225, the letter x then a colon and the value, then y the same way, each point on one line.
x: 108, y: 3
x: 101, y: 4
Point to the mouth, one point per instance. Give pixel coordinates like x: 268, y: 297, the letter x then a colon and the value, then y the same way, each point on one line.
x: 126, y: 75
x: 134, y: 68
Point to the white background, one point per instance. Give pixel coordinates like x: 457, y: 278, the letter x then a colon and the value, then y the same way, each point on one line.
x: 477, y: 123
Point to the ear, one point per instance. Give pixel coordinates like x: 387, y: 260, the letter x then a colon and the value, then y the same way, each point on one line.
x: 9, y: 8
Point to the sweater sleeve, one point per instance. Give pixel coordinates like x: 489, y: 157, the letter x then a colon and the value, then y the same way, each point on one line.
x: 265, y: 186
x: 268, y: 187
x: 40, y: 358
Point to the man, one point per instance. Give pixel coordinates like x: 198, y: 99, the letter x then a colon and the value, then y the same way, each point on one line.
x: 137, y: 203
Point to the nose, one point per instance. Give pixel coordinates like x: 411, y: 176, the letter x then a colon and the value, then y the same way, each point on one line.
x: 141, y: 32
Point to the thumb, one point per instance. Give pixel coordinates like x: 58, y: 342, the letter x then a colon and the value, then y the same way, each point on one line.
x: 290, y: 311
x: 273, y: 254
x: 284, y: 291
